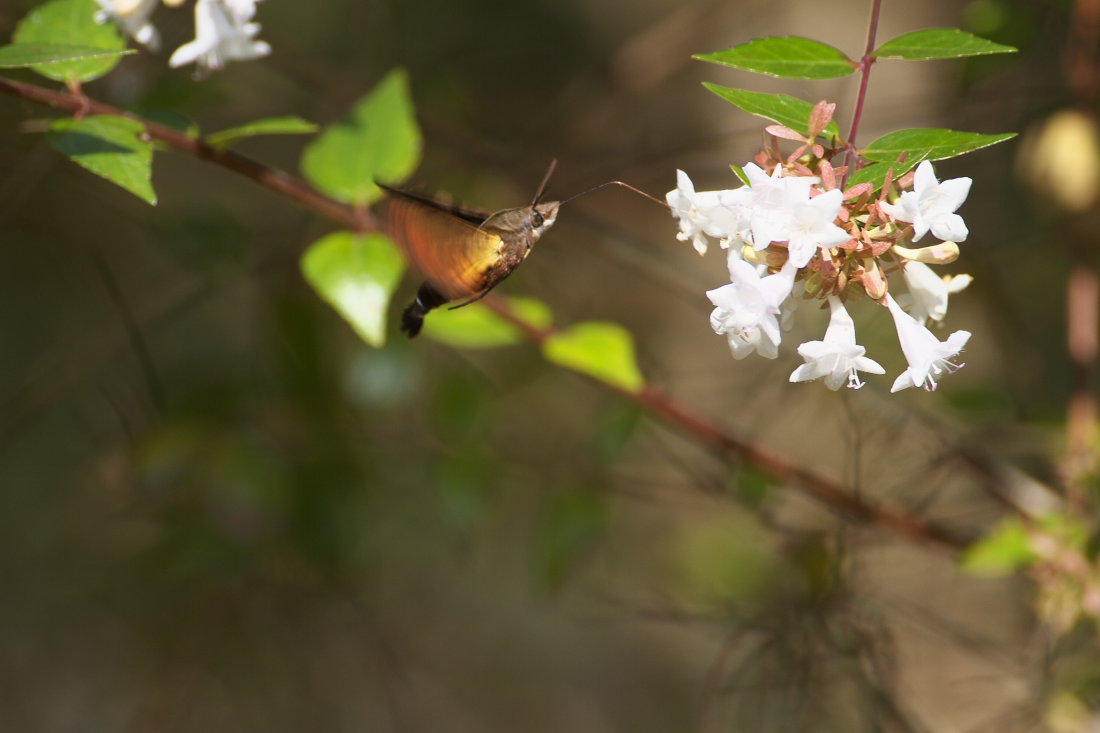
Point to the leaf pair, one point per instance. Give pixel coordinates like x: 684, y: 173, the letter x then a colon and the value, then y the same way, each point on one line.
x: 792, y: 57
x: 802, y: 58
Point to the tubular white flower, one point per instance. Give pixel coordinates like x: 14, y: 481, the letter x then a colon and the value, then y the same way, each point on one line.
x: 221, y: 36
x: 702, y: 214
x: 929, y: 292
x: 738, y: 205
x: 683, y: 202
x: 837, y: 357
x: 132, y: 16
x: 931, y: 205
x: 927, y: 355
x: 811, y: 226
x: 773, y: 201
x: 747, y: 310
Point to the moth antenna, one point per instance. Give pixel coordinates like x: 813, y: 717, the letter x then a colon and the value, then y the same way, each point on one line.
x: 617, y: 183
x: 545, y: 180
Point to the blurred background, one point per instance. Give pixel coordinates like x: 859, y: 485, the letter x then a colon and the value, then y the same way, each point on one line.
x: 219, y: 510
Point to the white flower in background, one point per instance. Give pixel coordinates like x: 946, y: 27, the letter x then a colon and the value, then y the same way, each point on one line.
x: 221, y: 35
x: 928, y: 291
x: 702, y: 214
x: 838, y: 357
x: 927, y: 355
x: 747, y: 310
x: 811, y: 226
x: 132, y: 16
x: 931, y: 205
x: 241, y: 10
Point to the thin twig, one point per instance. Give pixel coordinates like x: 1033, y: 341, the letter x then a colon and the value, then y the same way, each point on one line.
x: 282, y: 183
x: 833, y: 495
x: 864, y: 79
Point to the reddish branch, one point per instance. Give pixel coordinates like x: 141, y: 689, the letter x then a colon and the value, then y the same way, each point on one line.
x: 831, y: 494
x: 276, y: 180
x: 864, y: 79
x: 658, y: 404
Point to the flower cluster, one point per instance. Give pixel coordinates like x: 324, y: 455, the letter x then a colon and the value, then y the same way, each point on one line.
x: 224, y: 30
x: 792, y: 234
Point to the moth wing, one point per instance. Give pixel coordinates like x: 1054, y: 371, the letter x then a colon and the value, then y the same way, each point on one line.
x: 474, y: 216
x: 452, y: 253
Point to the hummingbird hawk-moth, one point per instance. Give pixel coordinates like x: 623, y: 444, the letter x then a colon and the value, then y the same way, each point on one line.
x: 462, y: 253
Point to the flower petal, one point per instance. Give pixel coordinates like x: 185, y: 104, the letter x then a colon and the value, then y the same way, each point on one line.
x: 925, y: 177
x: 954, y: 192
x: 949, y: 228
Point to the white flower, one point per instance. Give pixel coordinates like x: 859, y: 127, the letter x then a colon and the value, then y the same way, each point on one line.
x: 132, y: 16
x: 811, y: 226
x: 221, y: 35
x: 696, y: 212
x: 931, y: 205
x: 747, y: 310
x: 928, y: 292
x: 773, y: 201
x: 701, y: 214
x: 241, y: 10
x: 737, y: 204
x: 772, y: 208
x: 837, y: 358
x: 689, y: 208
x: 927, y: 355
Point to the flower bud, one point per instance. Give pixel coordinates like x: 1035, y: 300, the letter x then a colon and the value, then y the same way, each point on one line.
x: 873, y: 280
x: 943, y: 253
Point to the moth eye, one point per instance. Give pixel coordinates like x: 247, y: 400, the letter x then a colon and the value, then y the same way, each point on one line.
x: 537, y: 219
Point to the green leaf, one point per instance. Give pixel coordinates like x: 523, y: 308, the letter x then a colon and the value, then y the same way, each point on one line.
x: 790, y: 57
x: 356, y: 274
x: 875, y: 173
x: 603, y: 351
x: 1003, y: 551
x: 22, y: 55
x: 740, y: 173
x: 475, y: 326
x: 271, y: 126
x: 939, y: 43
x: 930, y: 143
x: 111, y: 147
x: 378, y: 141
x: 789, y: 111
x: 70, y: 22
